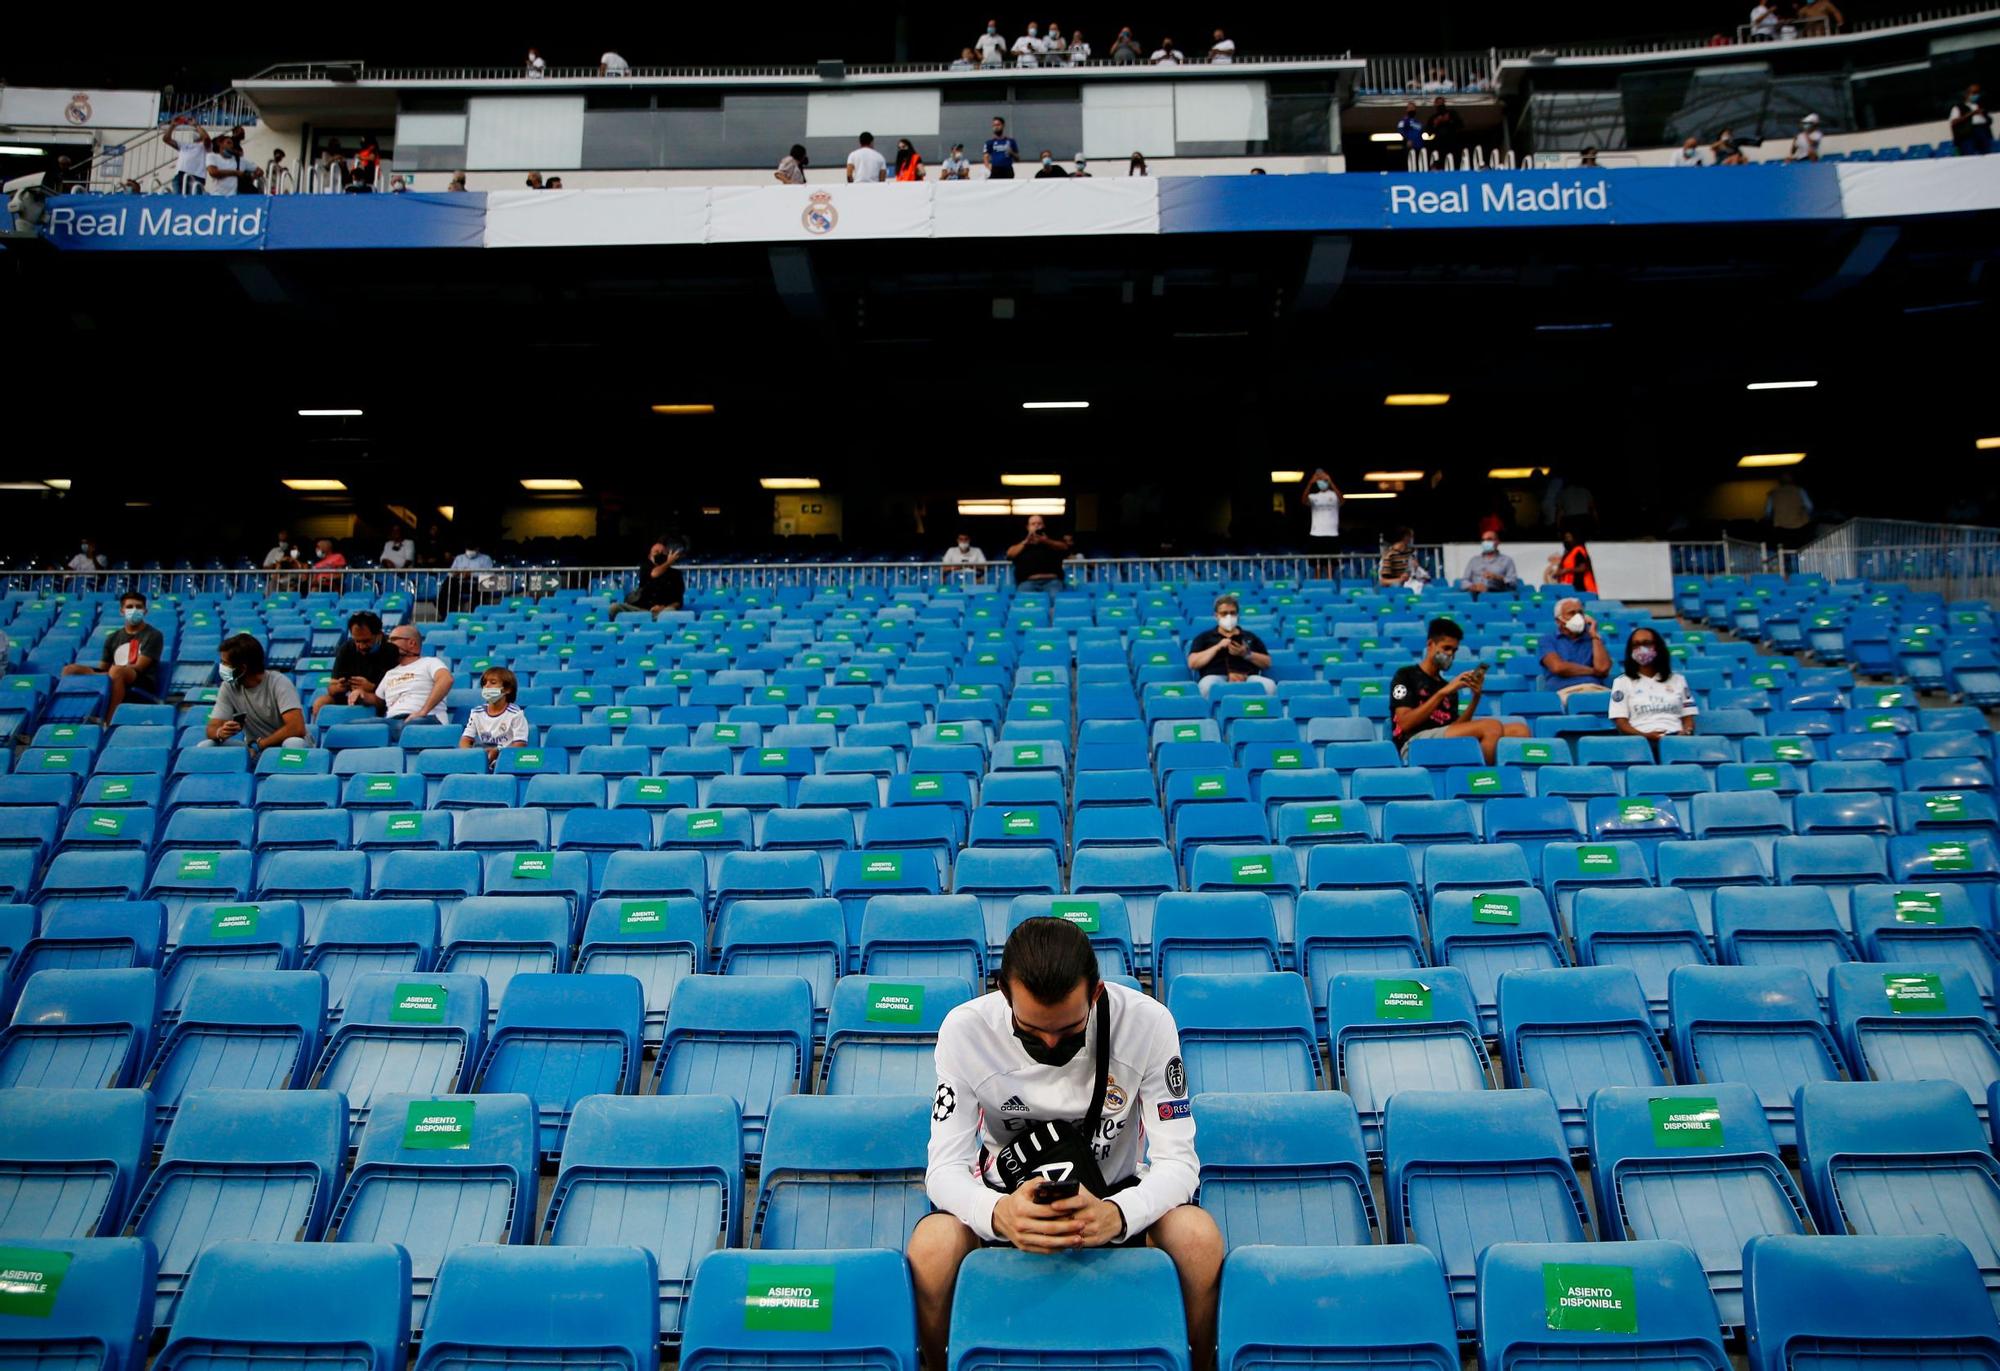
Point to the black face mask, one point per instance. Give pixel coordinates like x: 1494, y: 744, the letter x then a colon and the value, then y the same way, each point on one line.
x: 1061, y: 1054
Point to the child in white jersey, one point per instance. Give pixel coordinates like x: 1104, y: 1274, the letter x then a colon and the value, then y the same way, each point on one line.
x: 499, y: 722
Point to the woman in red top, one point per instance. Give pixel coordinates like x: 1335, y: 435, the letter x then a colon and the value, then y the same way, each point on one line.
x: 909, y: 166
x: 1574, y: 570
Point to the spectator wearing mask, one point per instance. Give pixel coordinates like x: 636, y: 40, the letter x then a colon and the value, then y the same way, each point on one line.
x: 465, y: 587
x: 535, y: 67
x: 1649, y: 700
x: 1082, y: 167
x: 1490, y: 569
x: 1690, y: 154
x: 1038, y: 558
x: 190, y: 155
x: 661, y: 585
x: 1050, y: 171
x: 1572, y: 566
x: 1058, y: 45
x: 398, y: 552
x: 327, y: 556
x: 1726, y: 151
x: 498, y: 722
x: 1805, y: 143
x: 909, y: 166
x: 1125, y: 51
x: 864, y: 164
x: 1229, y: 652
x: 472, y: 559
x: 1789, y: 511
x: 991, y: 46
x: 955, y: 167
x: 131, y: 656
x: 362, y: 661
x: 1322, y: 497
x: 1972, y: 124
x: 283, y: 556
x: 1397, y: 562
x: 1052, y: 1061
x: 1573, y: 657
x: 258, y: 707
x: 1166, y: 55
x: 1002, y: 153
x: 228, y: 174
x: 1079, y: 51
x: 1424, y: 699
x: 1029, y: 49
x: 792, y: 167
x: 963, y: 559
x: 1411, y: 127
x: 1137, y: 166
x: 412, y: 689
x: 88, y: 558
x: 1221, y: 50
x: 612, y: 64
x: 967, y: 60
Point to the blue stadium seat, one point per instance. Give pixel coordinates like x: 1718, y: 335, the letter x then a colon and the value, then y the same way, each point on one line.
x: 403, y: 1033
x: 1835, y: 863
x: 1355, y: 930
x: 500, y: 939
x: 1969, y: 859
x: 101, y: 1314
x: 239, y: 1030
x: 1371, y: 1307
x: 251, y: 1164
x: 1915, y: 1021
x: 74, y: 878
x: 1760, y: 1026
x: 448, y: 878
x: 560, y: 1038
x: 785, y: 937
x: 500, y: 830
x: 584, y: 1307
x: 1285, y: 1169
x: 842, y: 1171
x: 840, y: 1311
x: 1648, y: 931
x: 658, y: 942
x: 1828, y: 1301
x: 1531, y: 824
x: 85, y: 1028
x: 997, y: 875
x: 1703, y: 867
x: 279, y: 1307
x: 1388, y: 1033
x: 1033, y: 1312
x: 1756, y: 815
x: 1573, y: 1031
x: 745, y: 1036
x: 1489, y: 933
x: 1464, y: 1170
x: 436, y: 1171
x: 1250, y: 1032
x: 882, y: 1034
x: 70, y: 1161
x: 1696, y: 1165
x: 1491, y: 866
x: 1934, y: 924
x: 1215, y: 932
x: 905, y: 936
x: 1101, y: 917
x: 654, y: 875
x: 358, y: 936
x: 1569, y: 868
x: 228, y: 937
x: 1897, y: 1158
x: 1787, y: 926
x: 1585, y: 1304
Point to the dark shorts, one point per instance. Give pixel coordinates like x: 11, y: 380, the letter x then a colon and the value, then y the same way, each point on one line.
x: 1005, y: 173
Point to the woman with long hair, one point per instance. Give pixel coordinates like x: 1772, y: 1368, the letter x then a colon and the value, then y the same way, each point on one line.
x: 909, y: 166
x: 1649, y: 701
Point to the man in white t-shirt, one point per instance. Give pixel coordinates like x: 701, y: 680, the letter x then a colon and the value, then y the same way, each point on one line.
x: 88, y: 559
x: 412, y: 689
x: 1166, y: 55
x: 1222, y: 51
x: 1029, y: 49
x: 611, y: 64
x: 536, y: 67
x: 864, y: 164
x: 963, y: 558
x: 190, y: 157
x: 398, y: 552
x: 1805, y: 143
x: 1764, y: 21
x: 227, y: 170
x: 1691, y: 154
x: 992, y: 48
x: 1322, y: 497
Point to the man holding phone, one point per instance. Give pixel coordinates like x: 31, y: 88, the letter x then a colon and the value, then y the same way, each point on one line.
x: 1424, y: 699
x: 359, y: 664
x: 1061, y: 1121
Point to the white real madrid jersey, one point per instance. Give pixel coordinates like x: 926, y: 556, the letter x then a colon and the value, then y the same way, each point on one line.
x: 990, y: 1090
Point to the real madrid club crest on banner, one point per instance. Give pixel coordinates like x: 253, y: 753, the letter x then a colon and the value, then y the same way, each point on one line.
x: 77, y: 111
x: 819, y: 215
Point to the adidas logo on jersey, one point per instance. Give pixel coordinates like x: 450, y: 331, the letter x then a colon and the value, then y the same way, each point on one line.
x: 1014, y: 1105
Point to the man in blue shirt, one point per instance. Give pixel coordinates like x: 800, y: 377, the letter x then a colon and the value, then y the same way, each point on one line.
x: 1573, y: 657
x: 1001, y: 152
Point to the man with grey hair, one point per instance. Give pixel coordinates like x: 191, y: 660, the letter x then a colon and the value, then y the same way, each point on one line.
x: 1229, y: 652
x: 1573, y: 657
x: 413, y: 689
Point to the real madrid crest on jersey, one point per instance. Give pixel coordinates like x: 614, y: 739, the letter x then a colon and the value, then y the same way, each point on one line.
x: 820, y: 217
x: 77, y: 111
x: 1114, y: 1098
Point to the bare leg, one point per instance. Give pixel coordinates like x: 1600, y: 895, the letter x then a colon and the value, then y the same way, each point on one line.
x: 937, y: 1248
x: 1190, y: 1237
x: 121, y: 681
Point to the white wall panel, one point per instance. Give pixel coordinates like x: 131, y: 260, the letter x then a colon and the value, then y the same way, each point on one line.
x: 888, y: 114
x: 524, y: 132
x: 1121, y: 116
x: 1221, y: 112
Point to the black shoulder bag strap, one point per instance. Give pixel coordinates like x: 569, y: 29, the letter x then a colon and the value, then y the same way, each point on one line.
x: 1096, y: 1114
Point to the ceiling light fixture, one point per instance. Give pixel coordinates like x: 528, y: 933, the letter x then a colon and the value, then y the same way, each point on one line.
x: 450, y: 512
x: 329, y: 414
x: 1781, y: 385
x: 1416, y: 399
x: 1515, y: 473
x: 564, y: 483
x: 1030, y: 479
x: 1369, y: 495
x: 985, y: 506
x: 1395, y: 476
x: 19, y: 150
x: 789, y: 482
x: 1983, y: 444
x: 1285, y: 478
x: 58, y: 483
x: 683, y: 409
x: 1385, y: 137
x: 1771, y: 459
x: 1055, y: 404
x: 313, y: 483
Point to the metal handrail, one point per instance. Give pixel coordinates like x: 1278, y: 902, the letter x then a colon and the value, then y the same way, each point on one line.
x: 110, y: 167
x: 362, y: 72
x: 1638, y: 47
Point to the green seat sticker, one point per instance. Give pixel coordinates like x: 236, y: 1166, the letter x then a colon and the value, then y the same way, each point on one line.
x: 405, y: 825
x: 774, y: 756
x: 1370, y: 688
x: 1187, y: 733
x: 1085, y: 914
x: 1479, y: 781
x: 1021, y: 821
x: 1760, y: 777
x: 30, y: 1279
x: 1210, y: 785
x: 1496, y: 909
x: 1637, y: 812
x: 618, y: 716
x: 789, y: 1299
x: 418, y: 1002
x: 1589, y: 1299
x: 1172, y: 692
x: 1045, y: 678
x: 702, y: 821
x: 534, y: 866
x: 1791, y: 752
x: 1027, y: 756
x: 641, y: 916
x: 1256, y: 708
x: 106, y: 823
x: 882, y: 866
x: 1918, y: 992
x: 1287, y: 758
x: 1536, y: 752
x: 1883, y: 723
x: 114, y: 790
x: 1764, y: 680
x: 582, y: 695
x: 1598, y: 859
x: 987, y: 659
x: 292, y: 756
x: 379, y: 785
x: 950, y: 733
x: 57, y: 758
x: 1251, y: 870
x: 1919, y: 907
x: 1951, y: 857
x: 926, y: 785
x: 1039, y: 708
x: 438, y: 1125
x: 1686, y: 1121
x: 1324, y: 818
x: 889, y: 1003
x: 651, y: 789
x: 526, y: 758
x: 1945, y: 806
x: 63, y: 733
x: 233, y: 921
x: 1402, y: 1000
x: 728, y: 733
x: 826, y: 715
x: 200, y: 866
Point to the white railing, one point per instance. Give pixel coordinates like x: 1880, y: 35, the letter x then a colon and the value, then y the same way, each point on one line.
x: 148, y: 163
x: 1681, y: 42
x: 362, y: 71
x: 1959, y: 561
x: 1455, y: 73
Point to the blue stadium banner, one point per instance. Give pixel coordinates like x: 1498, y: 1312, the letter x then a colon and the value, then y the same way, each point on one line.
x: 446, y: 220
x: 251, y: 223
x: 1521, y: 199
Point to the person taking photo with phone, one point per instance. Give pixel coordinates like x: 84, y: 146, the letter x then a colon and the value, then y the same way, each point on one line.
x: 1229, y: 652
x: 1062, y: 1121
x: 1425, y: 698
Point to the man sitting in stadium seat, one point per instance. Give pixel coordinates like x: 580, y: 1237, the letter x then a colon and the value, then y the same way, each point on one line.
x: 1038, y: 559
x: 661, y: 585
x: 1229, y: 653
x: 415, y: 688
x: 1490, y: 569
x: 364, y: 659
x: 1056, y: 1059
x: 1394, y: 569
x: 1422, y: 700
x: 131, y: 656
x: 963, y: 559
x: 1573, y: 657
x: 257, y: 706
